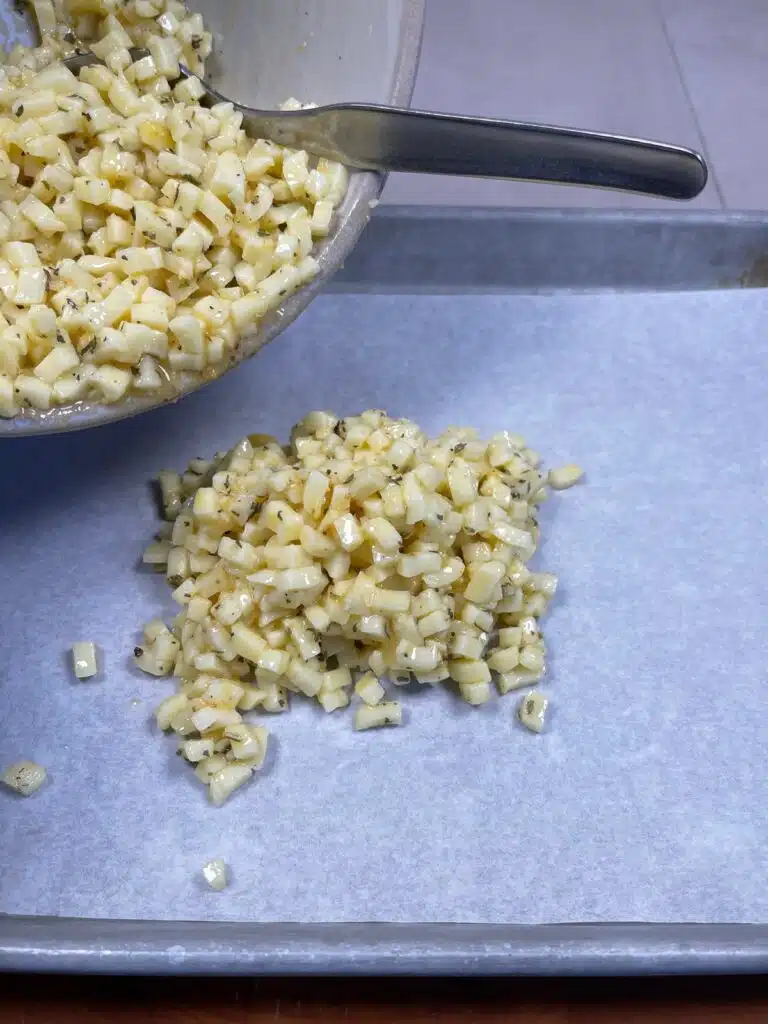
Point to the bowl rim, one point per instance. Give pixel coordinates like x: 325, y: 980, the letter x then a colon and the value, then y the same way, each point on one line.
x: 353, y: 214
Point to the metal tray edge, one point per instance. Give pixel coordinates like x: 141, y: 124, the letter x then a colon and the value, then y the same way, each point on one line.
x: 60, y: 945
x: 407, y: 248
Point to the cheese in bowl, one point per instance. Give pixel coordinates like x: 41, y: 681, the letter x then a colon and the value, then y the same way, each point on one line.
x: 142, y: 235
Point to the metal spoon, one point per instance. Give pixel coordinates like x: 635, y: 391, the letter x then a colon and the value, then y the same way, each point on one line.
x: 379, y: 138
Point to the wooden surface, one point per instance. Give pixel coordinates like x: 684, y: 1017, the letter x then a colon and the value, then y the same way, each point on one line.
x: 34, y: 1000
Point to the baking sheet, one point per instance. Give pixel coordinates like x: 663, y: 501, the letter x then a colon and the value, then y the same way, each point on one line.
x: 645, y: 800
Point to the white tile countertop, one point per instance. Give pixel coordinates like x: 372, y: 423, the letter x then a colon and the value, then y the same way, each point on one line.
x: 690, y: 72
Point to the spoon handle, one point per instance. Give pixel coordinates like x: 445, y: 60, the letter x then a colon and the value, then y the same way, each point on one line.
x: 390, y: 139
x: 379, y: 138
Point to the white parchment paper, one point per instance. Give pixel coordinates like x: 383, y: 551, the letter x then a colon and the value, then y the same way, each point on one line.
x: 645, y: 800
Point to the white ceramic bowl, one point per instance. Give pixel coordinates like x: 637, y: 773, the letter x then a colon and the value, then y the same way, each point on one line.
x: 325, y: 51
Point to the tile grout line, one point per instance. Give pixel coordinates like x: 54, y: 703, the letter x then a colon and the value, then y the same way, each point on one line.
x: 691, y: 104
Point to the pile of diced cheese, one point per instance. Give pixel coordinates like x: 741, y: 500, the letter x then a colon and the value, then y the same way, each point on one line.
x: 364, y: 555
x: 141, y: 234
